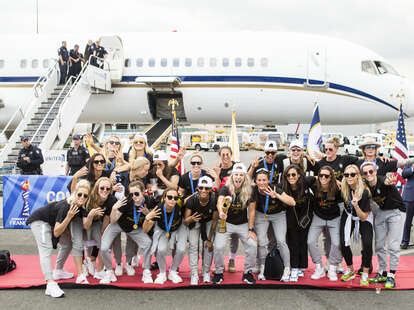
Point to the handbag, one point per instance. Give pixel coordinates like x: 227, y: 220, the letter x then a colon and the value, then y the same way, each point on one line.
x: 304, y: 220
x: 274, y: 266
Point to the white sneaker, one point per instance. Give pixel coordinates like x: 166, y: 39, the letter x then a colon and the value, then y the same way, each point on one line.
x: 85, y: 269
x: 147, y: 276
x: 294, y: 275
x: 129, y: 270
x: 194, y: 278
x: 53, y: 290
x: 286, y: 274
x: 174, y: 277
x: 81, y: 279
x: 135, y: 261
x: 332, y: 273
x: 339, y: 268
x: 300, y: 273
x: 108, y: 278
x: 118, y: 270
x: 60, y: 274
x: 319, y: 272
x: 91, y: 266
x: 99, y: 274
x: 261, y: 276
x: 161, y: 278
x: 256, y: 269
x: 206, y: 277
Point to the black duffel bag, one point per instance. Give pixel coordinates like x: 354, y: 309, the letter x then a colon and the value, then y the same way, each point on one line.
x: 274, y: 266
x: 6, y: 264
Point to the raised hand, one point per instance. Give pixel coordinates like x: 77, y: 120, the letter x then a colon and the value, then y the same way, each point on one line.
x: 196, y: 217
x: 271, y: 192
x: 73, y: 210
x: 153, y: 214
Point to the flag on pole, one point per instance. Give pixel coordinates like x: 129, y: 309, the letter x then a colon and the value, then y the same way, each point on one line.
x: 400, y: 148
x: 175, y: 141
x: 234, y: 139
x: 315, y: 135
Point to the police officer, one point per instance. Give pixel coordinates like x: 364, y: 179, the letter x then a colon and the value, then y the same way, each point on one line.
x: 100, y: 52
x: 30, y: 158
x: 89, y: 49
x: 63, y: 62
x: 75, y: 62
x: 77, y: 156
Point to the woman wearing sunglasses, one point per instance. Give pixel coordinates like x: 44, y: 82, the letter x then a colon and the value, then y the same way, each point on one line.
x: 357, y: 218
x: 139, y: 148
x: 127, y: 216
x: 299, y: 217
x: 164, y: 175
x: 298, y: 156
x: 201, y: 218
x: 188, y: 181
x: 166, y: 219
x: 70, y: 217
x: 270, y: 210
x: 326, y: 216
x: 239, y: 221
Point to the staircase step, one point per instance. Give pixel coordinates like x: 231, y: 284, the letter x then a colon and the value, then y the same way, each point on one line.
x: 30, y: 133
x: 46, y: 109
x: 38, y: 119
x: 12, y: 157
x: 41, y: 115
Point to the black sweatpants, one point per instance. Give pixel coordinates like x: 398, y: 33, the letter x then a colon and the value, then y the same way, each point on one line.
x: 366, y: 232
x: 297, y: 241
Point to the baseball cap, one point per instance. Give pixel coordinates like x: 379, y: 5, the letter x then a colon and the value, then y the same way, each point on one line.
x: 23, y: 138
x: 239, y: 168
x: 270, y: 146
x: 76, y: 137
x: 205, y: 181
x: 160, y: 155
x: 296, y: 143
x: 139, y: 136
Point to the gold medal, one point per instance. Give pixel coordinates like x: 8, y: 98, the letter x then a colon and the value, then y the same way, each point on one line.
x: 135, y: 226
x: 167, y: 235
x: 265, y: 215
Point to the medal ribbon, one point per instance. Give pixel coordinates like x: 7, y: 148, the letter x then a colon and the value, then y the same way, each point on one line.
x: 137, y: 216
x: 168, y: 225
x: 270, y: 182
x: 191, y: 181
x: 112, y: 165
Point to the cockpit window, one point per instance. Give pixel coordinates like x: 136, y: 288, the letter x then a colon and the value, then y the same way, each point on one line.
x: 384, y: 68
x: 368, y: 67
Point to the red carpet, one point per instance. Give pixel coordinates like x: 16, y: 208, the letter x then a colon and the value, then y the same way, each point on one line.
x: 28, y: 274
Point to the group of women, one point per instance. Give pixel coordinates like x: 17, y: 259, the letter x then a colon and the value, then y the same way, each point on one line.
x: 283, y: 201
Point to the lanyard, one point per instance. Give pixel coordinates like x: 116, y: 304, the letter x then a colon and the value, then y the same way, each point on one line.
x: 191, y: 181
x: 168, y: 225
x: 350, y: 202
x: 136, y: 216
x: 112, y: 165
x: 270, y: 182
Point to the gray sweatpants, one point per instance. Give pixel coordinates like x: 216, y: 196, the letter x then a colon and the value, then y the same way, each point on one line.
x: 76, y: 231
x: 193, y: 249
x: 315, y: 230
x: 250, y: 246
x: 42, y: 232
x: 94, y: 232
x: 139, y: 237
x: 278, y: 221
x: 177, y: 241
x: 387, y: 223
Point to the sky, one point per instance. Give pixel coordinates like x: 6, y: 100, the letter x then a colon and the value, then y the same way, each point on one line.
x: 384, y: 26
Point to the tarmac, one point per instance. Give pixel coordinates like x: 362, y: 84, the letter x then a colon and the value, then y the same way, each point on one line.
x: 22, y: 242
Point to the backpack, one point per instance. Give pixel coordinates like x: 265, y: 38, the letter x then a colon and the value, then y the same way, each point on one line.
x: 6, y: 264
x: 274, y: 266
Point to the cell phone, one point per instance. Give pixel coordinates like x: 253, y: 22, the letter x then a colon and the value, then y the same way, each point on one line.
x: 118, y: 178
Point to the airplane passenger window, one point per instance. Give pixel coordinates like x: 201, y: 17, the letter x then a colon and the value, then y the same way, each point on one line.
x: 176, y: 62
x: 151, y: 62
x: 200, y: 62
x: 23, y: 63
x: 250, y: 62
x: 237, y: 62
x: 368, y: 66
x: 188, y: 62
x: 139, y: 62
x: 35, y: 63
x: 225, y: 62
x: 45, y: 63
x: 163, y: 62
x: 264, y: 62
x: 213, y: 62
x: 128, y: 62
x: 1, y: 63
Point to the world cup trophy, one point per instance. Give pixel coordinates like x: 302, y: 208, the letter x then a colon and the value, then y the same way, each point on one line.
x: 225, y: 209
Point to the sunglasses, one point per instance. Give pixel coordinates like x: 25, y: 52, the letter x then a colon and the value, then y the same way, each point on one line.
x: 139, y: 142
x: 158, y: 165
x: 226, y: 154
x: 326, y: 176
x: 329, y: 149
x: 352, y: 175
x: 101, y: 162
x: 170, y: 197
x: 270, y: 153
x: 370, y: 147
x: 296, y: 150
x: 202, y: 188
x: 114, y: 142
x: 136, y: 194
x: 371, y: 171
x: 103, y: 188
x: 193, y: 163
x: 84, y: 195
x: 293, y: 175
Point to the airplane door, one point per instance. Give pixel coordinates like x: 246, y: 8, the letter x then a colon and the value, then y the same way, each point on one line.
x: 317, y: 69
x: 115, y: 57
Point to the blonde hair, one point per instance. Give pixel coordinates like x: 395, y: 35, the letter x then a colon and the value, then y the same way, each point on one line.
x: 118, y: 162
x: 360, y: 186
x: 335, y: 141
x: 133, y: 153
x: 95, y: 200
x: 245, y: 191
x: 197, y: 154
x: 81, y: 184
x: 139, y: 163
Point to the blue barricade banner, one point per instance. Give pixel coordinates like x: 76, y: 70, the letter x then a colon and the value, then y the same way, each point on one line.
x: 22, y: 194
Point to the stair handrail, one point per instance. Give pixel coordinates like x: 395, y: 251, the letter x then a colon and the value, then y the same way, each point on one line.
x: 41, y: 79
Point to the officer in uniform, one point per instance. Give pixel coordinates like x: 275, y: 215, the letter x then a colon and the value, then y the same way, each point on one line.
x: 77, y: 156
x: 100, y: 52
x: 63, y: 62
x: 30, y: 158
x: 89, y: 49
x: 75, y: 63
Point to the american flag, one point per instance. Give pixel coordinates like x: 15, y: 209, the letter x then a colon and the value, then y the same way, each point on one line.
x: 175, y: 141
x: 400, y: 148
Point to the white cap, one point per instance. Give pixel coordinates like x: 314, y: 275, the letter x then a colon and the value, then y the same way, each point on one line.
x: 140, y: 135
x: 270, y: 146
x: 239, y: 168
x: 160, y: 155
x: 205, y: 181
x: 296, y: 143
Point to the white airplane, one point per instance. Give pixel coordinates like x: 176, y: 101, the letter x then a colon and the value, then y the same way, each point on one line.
x: 269, y: 78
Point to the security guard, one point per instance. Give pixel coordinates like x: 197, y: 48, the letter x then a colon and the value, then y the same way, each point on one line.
x: 63, y: 62
x: 30, y: 158
x: 100, y: 52
x: 77, y: 156
x: 89, y: 49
